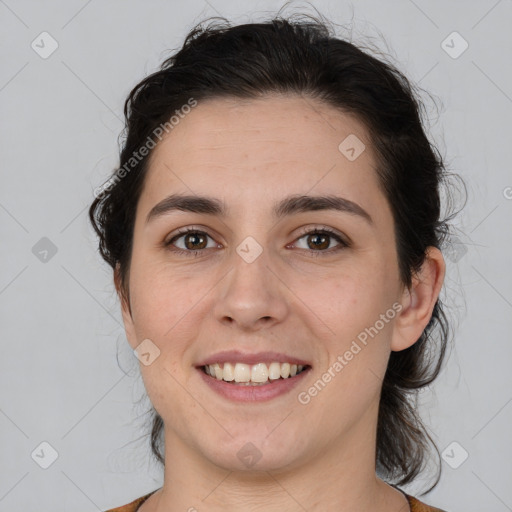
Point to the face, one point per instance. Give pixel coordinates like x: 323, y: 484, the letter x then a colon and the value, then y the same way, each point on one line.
x: 313, y: 287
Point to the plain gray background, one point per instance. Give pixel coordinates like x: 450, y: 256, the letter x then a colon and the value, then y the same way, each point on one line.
x: 61, y: 326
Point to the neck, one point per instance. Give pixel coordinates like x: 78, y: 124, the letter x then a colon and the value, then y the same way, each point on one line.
x: 342, y: 478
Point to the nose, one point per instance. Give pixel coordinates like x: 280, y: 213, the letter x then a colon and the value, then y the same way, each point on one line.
x: 252, y: 296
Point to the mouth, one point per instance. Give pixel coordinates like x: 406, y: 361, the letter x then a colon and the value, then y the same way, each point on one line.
x: 259, y: 374
x: 260, y: 382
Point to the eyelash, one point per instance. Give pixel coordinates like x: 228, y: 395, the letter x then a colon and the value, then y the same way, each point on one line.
x: 324, y: 231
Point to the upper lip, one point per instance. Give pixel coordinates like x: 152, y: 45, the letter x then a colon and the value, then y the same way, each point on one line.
x: 235, y: 356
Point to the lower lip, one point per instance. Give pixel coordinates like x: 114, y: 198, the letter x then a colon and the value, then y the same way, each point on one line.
x: 258, y: 393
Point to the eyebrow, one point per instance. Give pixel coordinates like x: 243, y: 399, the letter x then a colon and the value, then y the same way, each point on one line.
x: 288, y: 206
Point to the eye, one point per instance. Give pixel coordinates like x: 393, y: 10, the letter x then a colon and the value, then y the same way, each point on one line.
x: 318, y: 239
x: 195, y: 241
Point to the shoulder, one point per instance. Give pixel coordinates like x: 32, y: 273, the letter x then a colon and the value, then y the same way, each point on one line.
x: 132, y: 506
x: 418, y: 506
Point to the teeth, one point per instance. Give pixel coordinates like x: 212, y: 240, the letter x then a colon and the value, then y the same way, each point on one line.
x: 217, y: 371
x: 258, y: 373
x: 274, y: 371
x: 242, y: 372
x: 229, y: 372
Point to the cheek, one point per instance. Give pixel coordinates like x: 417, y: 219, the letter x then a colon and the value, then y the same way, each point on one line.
x: 352, y: 300
x: 360, y: 316
x: 162, y: 384
x: 165, y: 308
x: 159, y: 293
x: 358, y: 350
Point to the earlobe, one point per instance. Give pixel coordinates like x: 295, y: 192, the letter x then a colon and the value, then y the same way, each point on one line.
x: 418, y: 302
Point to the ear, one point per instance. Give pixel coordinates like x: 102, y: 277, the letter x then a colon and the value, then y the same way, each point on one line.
x: 418, y: 302
x: 124, y: 299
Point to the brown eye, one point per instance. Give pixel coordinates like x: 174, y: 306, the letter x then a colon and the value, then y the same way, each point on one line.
x: 319, y: 240
x: 193, y: 242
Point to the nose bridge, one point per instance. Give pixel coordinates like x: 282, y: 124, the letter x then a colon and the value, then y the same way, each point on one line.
x: 250, y: 275
x: 251, y: 290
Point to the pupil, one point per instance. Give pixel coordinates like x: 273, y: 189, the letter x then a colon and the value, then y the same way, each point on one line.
x: 322, y: 246
x: 189, y: 237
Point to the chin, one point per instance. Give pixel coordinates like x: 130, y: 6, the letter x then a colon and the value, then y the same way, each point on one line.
x: 254, y: 451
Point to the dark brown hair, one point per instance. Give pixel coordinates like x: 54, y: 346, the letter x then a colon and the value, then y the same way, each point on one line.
x: 303, y: 57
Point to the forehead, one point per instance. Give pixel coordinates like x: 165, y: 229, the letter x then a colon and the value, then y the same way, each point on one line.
x: 256, y: 148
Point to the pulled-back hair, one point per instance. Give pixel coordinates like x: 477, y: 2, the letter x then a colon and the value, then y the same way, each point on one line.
x: 303, y: 57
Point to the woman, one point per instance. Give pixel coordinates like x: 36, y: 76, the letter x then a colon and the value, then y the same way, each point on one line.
x: 274, y: 229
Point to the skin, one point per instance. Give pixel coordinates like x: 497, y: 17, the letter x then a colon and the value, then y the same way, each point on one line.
x: 251, y: 154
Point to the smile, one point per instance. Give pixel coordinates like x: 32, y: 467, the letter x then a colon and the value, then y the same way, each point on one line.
x: 257, y: 374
